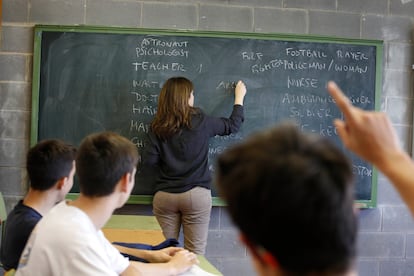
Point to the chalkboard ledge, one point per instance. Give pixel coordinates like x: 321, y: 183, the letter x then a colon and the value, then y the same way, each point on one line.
x: 216, y: 201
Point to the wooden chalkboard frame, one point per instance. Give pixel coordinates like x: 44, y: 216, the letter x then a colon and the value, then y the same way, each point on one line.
x: 146, y: 199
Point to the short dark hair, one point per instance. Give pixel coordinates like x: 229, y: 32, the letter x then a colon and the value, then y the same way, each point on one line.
x: 302, y: 184
x: 48, y: 161
x: 103, y: 158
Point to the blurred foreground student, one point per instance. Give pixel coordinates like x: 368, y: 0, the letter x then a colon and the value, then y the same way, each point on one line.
x: 371, y: 135
x: 50, y: 166
x: 179, y: 139
x: 291, y: 195
x: 68, y: 240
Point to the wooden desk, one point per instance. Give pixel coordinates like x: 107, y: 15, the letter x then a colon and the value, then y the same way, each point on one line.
x: 142, y: 229
x: 138, y: 229
x: 133, y: 222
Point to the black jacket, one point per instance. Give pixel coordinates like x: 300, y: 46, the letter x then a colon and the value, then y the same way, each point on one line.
x: 183, y: 159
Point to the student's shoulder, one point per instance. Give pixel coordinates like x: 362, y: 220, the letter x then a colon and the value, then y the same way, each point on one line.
x: 65, y: 232
x: 22, y: 214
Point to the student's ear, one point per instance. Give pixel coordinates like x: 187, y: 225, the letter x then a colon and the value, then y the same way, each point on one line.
x: 259, y: 253
x: 124, y: 182
x: 61, y: 183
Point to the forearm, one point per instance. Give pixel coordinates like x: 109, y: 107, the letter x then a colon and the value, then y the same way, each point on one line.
x: 131, y: 270
x: 236, y: 119
x: 140, y: 253
x: 238, y: 100
x: 160, y: 269
x: 399, y: 168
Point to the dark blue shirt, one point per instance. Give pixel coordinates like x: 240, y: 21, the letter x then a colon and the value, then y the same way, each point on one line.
x: 19, y: 224
x: 183, y: 159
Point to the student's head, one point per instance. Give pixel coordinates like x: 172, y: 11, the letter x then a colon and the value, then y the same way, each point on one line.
x: 291, y: 195
x: 175, y: 107
x: 50, y: 161
x: 102, y: 160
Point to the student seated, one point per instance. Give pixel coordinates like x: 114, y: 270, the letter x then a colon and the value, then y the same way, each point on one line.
x: 291, y: 195
x: 50, y: 166
x: 68, y: 240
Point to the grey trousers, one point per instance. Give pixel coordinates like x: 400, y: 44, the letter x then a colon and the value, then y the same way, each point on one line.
x: 191, y: 210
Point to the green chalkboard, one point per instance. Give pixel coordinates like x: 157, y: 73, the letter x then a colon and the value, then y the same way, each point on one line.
x: 88, y: 79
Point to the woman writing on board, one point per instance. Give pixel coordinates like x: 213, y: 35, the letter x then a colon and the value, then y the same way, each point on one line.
x: 179, y: 139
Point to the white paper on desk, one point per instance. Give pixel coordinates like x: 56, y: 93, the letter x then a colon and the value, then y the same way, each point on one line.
x: 195, y: 270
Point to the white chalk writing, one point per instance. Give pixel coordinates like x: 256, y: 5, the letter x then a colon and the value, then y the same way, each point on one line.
x: 158, y: 66
x: 138, y: 126
x: 139, y: 97
x: 326, y: 131
x: 146, y: 84
x: 161, y: 52
x: 302, y: 82
x: 251, y: 56
x: 310, y: 112
x: 304, y: 99
x: 351, y: 68
x: 305, y: 53
x: 137, y: 142
x: 351, y: 55
x: 361, y: 170
x: 146, y: 110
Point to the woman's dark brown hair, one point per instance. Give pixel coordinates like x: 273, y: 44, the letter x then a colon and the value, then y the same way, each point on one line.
x: 173, y: 111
